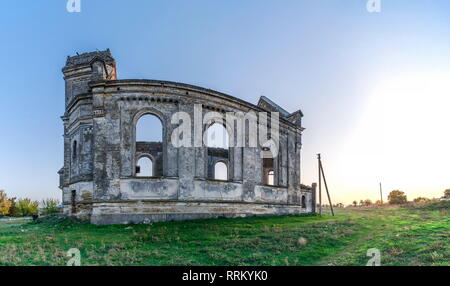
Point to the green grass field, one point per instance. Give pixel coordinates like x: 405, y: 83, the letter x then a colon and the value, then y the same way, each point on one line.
x: 414, y: 235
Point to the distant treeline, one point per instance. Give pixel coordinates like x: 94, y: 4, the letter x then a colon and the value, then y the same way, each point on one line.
x: 26, y: 207
x: 395, y: 197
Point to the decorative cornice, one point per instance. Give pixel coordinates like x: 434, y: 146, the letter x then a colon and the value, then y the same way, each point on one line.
x: 186, y: 88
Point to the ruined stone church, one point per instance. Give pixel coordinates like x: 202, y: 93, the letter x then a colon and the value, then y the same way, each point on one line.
x: 121, y: 164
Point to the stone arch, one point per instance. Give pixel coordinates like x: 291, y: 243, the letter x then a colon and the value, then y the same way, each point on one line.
x: 144, y: 124
x: 221, y: 170
x: 153, y: 150
x: 145, y: 166
x: 220, y: 153
x: 148, y: 111
x: 304, y: 201
x: 217, y: 119
x: 271, y: 178
x: 225, y: 132
x: 268, y: 167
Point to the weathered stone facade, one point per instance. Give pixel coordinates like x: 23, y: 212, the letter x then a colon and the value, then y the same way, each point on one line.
x: 99, y: 178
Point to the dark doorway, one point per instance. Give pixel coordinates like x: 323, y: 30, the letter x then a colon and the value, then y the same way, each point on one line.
x: 73, y: 200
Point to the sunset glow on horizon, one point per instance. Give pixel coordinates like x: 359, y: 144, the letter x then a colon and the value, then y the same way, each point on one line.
x: 401, y: 140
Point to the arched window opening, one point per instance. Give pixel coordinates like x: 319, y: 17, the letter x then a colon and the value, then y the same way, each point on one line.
x: 217, y: 143
x: 74, y: 149
x: 149, y: 129
x: 304, y: 202
x: 217, y: 136
x: 221, y: 171
x: 268, y: 167
x: 144, y: 167
x: 73, y: 201
x: 149, y: 146
x: 271, y: 178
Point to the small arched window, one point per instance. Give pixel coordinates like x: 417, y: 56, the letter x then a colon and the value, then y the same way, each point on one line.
x: 304, y: 202
x: 74, y: 149
x: 221, y: 171
x: 271, y: 178
x: 144, y: 167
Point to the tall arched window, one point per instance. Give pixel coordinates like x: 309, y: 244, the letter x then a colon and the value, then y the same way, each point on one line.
x: 268, y: 167
x: 73, y: 201
x: 304, y: 202
x: 148, y: 129
x: 144, y: 167
x: 221, y: 171
x: 149, y: 146
x: 217, y: 136
x: 217, y: 142
x: 74, y: 149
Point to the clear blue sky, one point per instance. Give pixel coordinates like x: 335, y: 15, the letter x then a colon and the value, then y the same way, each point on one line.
x: 350, y: 72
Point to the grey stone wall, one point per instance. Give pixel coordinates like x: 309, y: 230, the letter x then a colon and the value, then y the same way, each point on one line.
x: 101, y: 115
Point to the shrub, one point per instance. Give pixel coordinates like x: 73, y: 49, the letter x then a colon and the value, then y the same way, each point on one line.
x: 27, y: 207
x: 447, y: 194
x: 397, y: 197
x: 50, y: 206
x: 421, y: 200
x: 367, y: 202
x: 434, y: 206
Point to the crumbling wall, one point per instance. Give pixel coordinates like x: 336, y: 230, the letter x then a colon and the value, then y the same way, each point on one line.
x: 101, y: 115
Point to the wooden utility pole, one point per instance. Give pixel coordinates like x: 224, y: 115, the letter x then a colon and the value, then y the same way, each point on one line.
x: 381, y: 193
x: 322, y: 173
x: 320, y: 185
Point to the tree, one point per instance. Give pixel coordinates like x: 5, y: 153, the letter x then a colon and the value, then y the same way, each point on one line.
x: 397, y: 197
x: 26, y: 207
x: 50, y: 206
x: 13, y: 207
x: 378, y: 202
x: 421, y: 200
x: 447, y: 194
x: 367, y: 202
x: 5, y: 204
x: 355, y: 203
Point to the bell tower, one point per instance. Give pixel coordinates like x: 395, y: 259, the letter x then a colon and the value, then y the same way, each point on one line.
x: 84, y: 68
